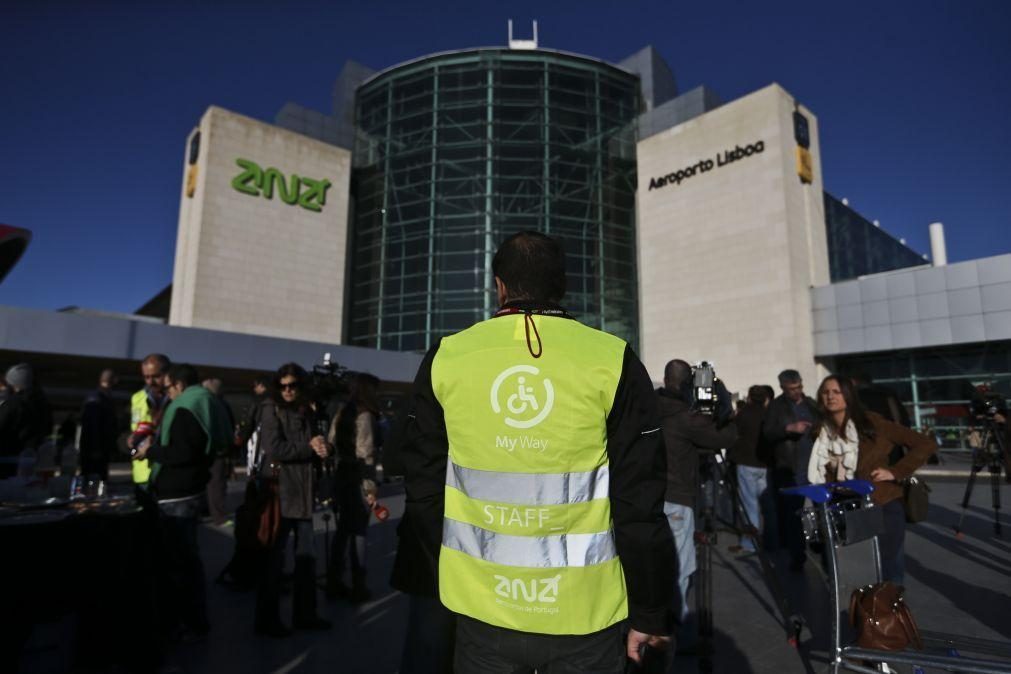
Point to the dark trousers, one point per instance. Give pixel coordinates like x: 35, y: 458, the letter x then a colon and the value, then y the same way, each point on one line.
x: 891, y: 542
x: 217, y: 488
x: 184, y: 595
x: 788, y: 525
x: 486, y: 649
x: 268, y: 598
x: 352, y: 525
x: 431, y: 635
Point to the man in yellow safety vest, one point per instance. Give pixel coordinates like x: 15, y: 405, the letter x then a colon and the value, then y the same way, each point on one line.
x: 146, y: 407
x: 535, y: 477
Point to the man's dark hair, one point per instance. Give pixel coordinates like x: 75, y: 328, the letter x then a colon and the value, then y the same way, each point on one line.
x: 758, y: 395
x: 161, y: 359
x: 677, y: 375
x: 789, y: 377
x: 185, y: 374
x: 769, y: 391
x: 262, y: 380
x: 532, y: 267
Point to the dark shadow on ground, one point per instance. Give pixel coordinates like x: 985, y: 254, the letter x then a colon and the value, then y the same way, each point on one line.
x: 986, y: 604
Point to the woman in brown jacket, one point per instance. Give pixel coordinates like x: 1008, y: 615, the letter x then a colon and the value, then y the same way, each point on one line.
x: 851, y: 443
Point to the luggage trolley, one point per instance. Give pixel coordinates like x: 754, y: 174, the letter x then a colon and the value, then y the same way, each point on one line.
x: 845, y: 521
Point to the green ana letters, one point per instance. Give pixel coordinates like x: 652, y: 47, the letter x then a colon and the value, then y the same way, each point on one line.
x: 306, y: 192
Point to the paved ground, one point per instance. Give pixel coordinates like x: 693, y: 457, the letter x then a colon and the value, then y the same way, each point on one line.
x: 960, y: 586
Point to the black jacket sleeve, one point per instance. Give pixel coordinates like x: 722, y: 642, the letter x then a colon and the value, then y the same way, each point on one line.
x: 774, y: 426
x: 705, y: 434
x: 423, y: 453
x: 638, y: 466
x: 187, y: 443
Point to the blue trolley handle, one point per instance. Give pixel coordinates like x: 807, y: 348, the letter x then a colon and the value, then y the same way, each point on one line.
x: 822, y: 493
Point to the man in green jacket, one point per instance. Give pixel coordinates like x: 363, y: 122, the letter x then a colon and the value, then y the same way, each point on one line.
x: 194, y: 429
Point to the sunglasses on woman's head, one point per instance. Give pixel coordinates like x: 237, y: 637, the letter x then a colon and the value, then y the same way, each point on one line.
x: 292, y: 386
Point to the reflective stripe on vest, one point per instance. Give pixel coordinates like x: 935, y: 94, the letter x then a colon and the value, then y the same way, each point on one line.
x: 529, y: 488
x: 527, y: 535
x: 535, y: 551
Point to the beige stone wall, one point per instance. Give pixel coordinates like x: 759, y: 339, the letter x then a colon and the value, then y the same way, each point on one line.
x: 727, y: 256
x: 255, y: 265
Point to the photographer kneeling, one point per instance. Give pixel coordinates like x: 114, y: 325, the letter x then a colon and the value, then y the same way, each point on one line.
x: 686, y: 432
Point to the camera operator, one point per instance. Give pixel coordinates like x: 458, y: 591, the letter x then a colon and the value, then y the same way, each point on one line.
x: 685, y: 433
x: 988, y: 407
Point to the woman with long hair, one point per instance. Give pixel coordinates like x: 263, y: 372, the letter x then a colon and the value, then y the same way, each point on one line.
x: 852, y: 443
x: 354, y: 435
x: 290, y: 447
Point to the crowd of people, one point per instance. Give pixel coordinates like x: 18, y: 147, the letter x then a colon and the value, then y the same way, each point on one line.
x: 183, y: 443
x: 552, y: 530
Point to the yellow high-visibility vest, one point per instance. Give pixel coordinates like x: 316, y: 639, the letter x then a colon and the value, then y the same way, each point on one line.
x: 527, y: 536
x: 140, y: 411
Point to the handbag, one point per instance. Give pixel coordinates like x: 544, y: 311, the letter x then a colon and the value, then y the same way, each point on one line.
x: 915, y: 499
x: 882, y: 619
x: 270, y: 512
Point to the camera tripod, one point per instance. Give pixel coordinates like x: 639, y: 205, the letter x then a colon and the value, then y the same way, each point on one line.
x: 990, y: 453
x: 715, y: 471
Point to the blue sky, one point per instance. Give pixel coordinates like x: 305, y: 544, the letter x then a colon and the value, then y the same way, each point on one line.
x: 96, y: 99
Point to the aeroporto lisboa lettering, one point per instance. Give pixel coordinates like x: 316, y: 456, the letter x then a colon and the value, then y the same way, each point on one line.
x: 704, y: 165
x: 306, y: 192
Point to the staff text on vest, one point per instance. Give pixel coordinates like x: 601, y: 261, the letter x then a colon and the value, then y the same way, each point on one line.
x: 513, y: 516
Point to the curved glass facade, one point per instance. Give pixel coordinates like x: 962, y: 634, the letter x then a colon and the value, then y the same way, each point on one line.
x: 457, y: 151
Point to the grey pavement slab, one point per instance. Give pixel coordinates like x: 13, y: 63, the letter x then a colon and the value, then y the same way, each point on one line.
x: 957, y: 585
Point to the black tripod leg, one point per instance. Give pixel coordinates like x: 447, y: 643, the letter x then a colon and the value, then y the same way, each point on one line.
x: 995, y: 493
x: 793, y: 623
x: 704, y: 603
x: 968, y: 494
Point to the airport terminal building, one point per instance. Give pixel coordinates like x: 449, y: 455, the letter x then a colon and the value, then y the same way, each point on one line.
x: 694, y: 227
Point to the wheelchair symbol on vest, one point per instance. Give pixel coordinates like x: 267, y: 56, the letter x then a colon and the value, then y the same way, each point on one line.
x: 524, y: 399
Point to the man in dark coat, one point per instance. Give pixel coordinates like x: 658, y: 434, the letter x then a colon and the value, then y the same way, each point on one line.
x: 685, y: 434
x: 36, y: 422
x: 10, y: 427
x: 99, y: 427
x: 787, y: 429
x: 751, y: 457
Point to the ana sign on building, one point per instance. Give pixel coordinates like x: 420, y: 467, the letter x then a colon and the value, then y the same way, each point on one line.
x: 262, y: 231
x: 306, y: 192
x: 731, y: 238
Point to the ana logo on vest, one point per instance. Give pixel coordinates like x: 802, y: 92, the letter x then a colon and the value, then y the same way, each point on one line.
x: 544, y: 590
x: 525, y: 405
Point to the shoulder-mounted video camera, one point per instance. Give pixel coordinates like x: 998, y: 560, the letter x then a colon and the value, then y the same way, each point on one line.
x: 988, y: 404
x: 329, y: 382
x: 709, y: 396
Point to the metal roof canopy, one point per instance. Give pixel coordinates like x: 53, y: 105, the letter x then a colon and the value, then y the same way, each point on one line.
x: 91, y: 336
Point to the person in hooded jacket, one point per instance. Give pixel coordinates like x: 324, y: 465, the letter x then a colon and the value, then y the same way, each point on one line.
x: 290, y: 446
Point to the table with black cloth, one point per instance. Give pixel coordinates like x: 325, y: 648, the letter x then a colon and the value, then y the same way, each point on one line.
x: 89, y: 562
